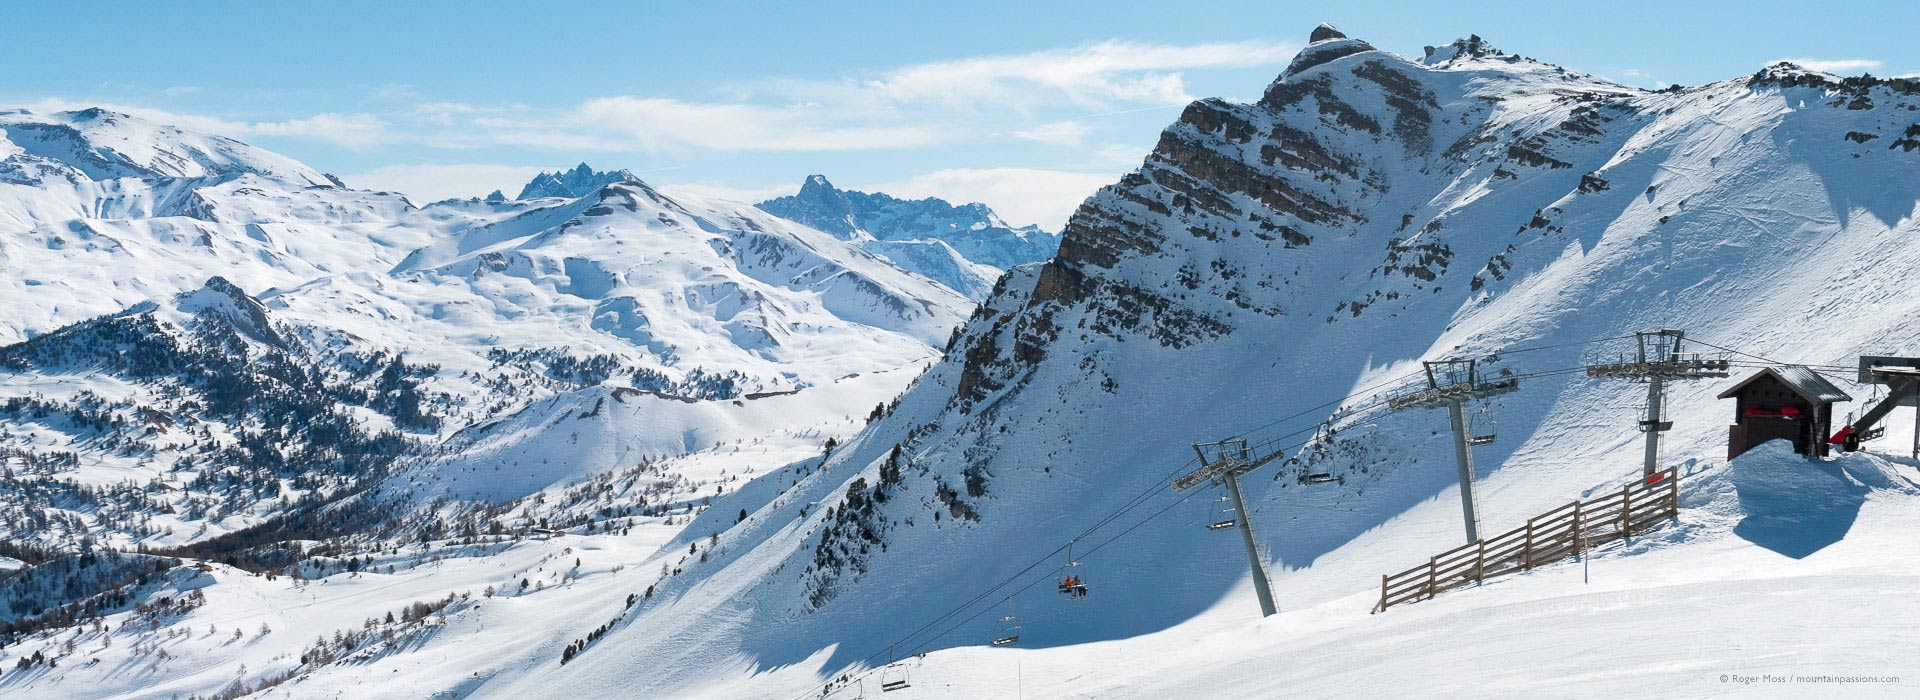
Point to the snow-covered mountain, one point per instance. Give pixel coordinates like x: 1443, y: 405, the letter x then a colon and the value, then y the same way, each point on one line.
x: 1269, y: 270
x: 100, y: 211
x: 964, y: 247
x: 494, y: 306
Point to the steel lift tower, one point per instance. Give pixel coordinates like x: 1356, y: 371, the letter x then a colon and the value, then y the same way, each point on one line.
x: 1224, y: 462
x: 1658, y: 360
x: 1450, y: 383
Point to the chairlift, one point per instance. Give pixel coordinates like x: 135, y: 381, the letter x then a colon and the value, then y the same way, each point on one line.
x: 1009, y: 627
x: 1492, y: 427
x: 1073, y: 585
x: 1222, y: 524
x: 1321, y: 478
x: 894, y: 677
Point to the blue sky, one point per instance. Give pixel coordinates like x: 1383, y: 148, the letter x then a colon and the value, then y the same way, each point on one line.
x: 1027, y: 106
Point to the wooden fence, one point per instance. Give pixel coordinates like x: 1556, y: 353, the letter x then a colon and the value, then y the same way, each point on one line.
x: 1555, y: 534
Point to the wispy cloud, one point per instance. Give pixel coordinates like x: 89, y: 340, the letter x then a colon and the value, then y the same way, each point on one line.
x: 1056, y: 97
x: 913, y: 106
x: 1027, y: 97
x: 1838, y: 66
x: 1094, y: 75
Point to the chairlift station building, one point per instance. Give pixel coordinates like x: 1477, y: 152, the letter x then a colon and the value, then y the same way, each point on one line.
x: 1782, y: 403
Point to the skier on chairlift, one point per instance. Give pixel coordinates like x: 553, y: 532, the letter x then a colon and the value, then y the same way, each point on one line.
x: 1074, y: 587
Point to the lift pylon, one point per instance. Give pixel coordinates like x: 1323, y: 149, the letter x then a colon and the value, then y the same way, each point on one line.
x: 1226, y: 461
x: 1450, y: 383
x: 1656, y: 360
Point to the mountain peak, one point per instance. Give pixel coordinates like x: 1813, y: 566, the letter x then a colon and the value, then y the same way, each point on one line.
x: 1469, y: 46
x: 581, y: 181
x: 1326, y: 44
x: 225, y: 301
x: 817, y: 186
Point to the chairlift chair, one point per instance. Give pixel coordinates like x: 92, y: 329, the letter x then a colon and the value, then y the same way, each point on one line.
x: 894, y: 677
x: 1321, y: 478
x: 1227, y: 523
x: 1073, y: 585
x: 1475, y: 438
x: 1009, y: 627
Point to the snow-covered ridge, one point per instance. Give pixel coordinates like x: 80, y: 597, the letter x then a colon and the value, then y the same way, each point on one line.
x: 96, y: 144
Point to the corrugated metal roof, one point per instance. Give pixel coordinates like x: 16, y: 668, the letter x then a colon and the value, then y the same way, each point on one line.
x: 1806, y: 382
x: 1810, y: 384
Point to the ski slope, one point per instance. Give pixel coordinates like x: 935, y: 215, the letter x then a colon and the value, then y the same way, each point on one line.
x: 1704, y: 607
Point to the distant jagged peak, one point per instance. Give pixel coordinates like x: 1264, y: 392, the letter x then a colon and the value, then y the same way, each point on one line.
x: 844, y: 212
x: 581, y: 181
x: 1325, y: 44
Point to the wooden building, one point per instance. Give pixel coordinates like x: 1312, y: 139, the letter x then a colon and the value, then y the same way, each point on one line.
x: 1782, y: 403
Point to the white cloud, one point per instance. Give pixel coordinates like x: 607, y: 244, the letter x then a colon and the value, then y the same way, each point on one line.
x: 910, y: 107
x: 1030, y: 97
x: 430, y: 183
x: 356, y: 131
x: 1837, y: 66
x: 1093, y: 75
x: 1019, y: 195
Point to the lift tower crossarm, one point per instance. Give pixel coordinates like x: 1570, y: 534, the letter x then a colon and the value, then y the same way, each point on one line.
x: 1658, y: 360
